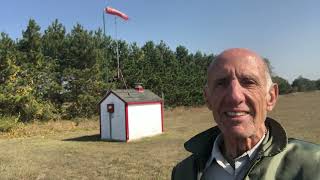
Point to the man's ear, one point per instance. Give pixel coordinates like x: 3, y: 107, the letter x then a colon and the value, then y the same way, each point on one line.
x: 272, y: 98
x: 206, y: 96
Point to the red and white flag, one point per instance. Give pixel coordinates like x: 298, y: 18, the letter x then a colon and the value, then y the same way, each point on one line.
x: 116, y: 12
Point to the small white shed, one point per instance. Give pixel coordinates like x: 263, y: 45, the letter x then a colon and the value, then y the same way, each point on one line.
x: 127, y: 114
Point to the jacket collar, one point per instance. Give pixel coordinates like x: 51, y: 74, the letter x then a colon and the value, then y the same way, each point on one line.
x: 275, y: 141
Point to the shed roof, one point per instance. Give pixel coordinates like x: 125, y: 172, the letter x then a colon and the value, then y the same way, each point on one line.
x: 132, y: 95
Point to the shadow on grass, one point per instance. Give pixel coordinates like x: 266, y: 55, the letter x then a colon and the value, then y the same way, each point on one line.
x: 95, y: 137
x: 90, y: 138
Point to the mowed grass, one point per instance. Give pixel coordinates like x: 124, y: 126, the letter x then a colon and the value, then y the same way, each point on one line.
x: 69, y: 150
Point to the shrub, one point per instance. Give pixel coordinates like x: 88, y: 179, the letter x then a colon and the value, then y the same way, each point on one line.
x: 85, y: 106
x: 8, y: 122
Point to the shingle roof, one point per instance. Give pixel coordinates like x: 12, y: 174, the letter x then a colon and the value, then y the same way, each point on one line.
x: 131, y: 95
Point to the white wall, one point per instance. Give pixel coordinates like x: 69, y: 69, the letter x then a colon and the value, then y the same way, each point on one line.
x: 144, y: 120
x: 118, y: 128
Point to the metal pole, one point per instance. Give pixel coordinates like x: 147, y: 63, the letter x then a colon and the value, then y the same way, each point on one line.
x: 104, y: 38
x: 110, y: 125
x: 104, y: 22
x: 115, y: 23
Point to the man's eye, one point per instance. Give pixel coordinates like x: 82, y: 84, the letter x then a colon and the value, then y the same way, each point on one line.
x: 247, y: 81
x: 222, y: 82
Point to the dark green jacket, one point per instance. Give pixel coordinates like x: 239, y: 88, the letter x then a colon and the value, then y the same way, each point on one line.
x: 278, y: 157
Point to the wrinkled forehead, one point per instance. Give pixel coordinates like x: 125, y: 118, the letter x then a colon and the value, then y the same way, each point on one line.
x: 237, y: 61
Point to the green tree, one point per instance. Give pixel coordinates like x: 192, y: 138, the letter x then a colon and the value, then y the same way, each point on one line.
x: 80, y: 49
x: 36, y: 79
x: 284, y: 86
x: 302, y: 84
x: 54, y: 50
x: 53, y: 43
x: 30, y: 44
x: 7, y: 58
x: 84, y: 77
x: 318, y: 84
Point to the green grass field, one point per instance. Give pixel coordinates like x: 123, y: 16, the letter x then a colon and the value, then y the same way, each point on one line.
x: 69, y: 150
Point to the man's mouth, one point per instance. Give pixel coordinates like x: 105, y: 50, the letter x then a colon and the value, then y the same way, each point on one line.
x: 236, y: 113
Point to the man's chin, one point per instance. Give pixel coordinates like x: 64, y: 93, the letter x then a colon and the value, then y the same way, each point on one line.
x: 238, y: 132
x: 240, y: 135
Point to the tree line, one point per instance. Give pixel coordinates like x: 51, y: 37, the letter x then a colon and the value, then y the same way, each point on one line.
x: 58, y: 74
x: 300, y: 84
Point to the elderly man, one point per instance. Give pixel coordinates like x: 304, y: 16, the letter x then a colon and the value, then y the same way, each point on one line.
x: 246, y: 144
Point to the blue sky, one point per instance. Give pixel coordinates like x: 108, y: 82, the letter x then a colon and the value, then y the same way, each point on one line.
x: 287, y: 32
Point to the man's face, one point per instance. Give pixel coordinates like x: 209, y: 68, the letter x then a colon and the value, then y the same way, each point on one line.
x: 237, y: 95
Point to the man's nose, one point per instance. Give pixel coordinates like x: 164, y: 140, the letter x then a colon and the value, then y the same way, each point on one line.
x: 235, y: 94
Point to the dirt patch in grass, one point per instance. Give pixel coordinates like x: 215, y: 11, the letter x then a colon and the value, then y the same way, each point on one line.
x: 72, y: 150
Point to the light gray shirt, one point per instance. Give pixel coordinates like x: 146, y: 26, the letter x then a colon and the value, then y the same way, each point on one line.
x: 219, y: 168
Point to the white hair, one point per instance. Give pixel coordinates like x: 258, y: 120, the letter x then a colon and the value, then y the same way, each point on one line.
x: 269, y: 82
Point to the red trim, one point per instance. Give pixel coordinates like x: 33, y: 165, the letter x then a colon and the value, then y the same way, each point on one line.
x: 100, y: 121
x: 162, y: 116
x: 145, y: 102
x: 126, y: 121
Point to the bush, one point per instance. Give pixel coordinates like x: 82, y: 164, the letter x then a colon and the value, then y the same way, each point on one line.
x: 8, y: 122
x: 85, y: 106
x: 27, y: 108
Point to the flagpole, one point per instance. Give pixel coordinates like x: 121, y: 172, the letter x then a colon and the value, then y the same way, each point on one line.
x: 104, y: 38
x: 115, y: 23
x: 104, y: 22
x: 116, y: 12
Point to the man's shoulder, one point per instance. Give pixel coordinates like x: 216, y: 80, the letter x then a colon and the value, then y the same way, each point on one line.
x: 303, y: 146
x: 200, y: 146
x: 303, y: 153
x: 185, y: 169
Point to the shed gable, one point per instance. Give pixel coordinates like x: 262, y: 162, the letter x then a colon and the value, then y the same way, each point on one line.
x: 131, y: 95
